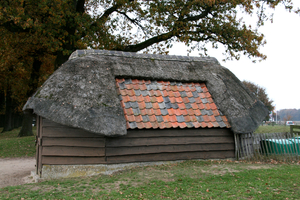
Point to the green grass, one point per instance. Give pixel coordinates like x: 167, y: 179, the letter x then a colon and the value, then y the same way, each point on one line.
x: 273, y: 129
x: 186, y: 180
x: 13, y: 146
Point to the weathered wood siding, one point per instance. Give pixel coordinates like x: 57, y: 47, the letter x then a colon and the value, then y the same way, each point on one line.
x: 65, y: 145
x: 170, y: 144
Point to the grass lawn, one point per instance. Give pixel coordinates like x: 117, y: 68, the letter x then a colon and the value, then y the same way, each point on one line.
x: 185, y: 180
x: 273, y: 129
x: 12, y: 146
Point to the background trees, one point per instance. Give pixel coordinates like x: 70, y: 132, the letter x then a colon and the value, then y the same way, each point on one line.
x: 290, y: 114
x: 260, y: 93
x: 37, y: 36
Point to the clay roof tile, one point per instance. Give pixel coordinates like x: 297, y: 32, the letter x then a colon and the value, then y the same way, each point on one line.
x: 162, y: 104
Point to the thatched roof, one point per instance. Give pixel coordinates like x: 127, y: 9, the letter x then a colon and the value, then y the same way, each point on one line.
x: 82, y: 92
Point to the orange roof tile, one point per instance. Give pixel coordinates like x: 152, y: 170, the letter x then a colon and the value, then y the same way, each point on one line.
x: 216, y: 112
x: 207, y: 95
x: 130, y: 118
x: 146, y: 104
x: 177, y: 112
x: 129, y: 86
x: 142, y: 105
x: 150, y: 111
x: 197, y: 100
x: 207, y: 107
x: 168, y: 124
x: 142, y: 87
x: 179, y: 100
x: 135, y: 81
x: 180, y: 88
x: 204, y: 89
x: 132, y: 98
x: 159, y: 99
x: 196, y: 124
x: 171, y: 111
x: 147, y: 99
x: 148, y: 125
x: 157, y: 112
x: 197, y: 112
x: 140, y: 98
x: 136, y: 86
x: 138, y: 118
x: 155, y: 105
x: 157, y: 93
x: 154, y: 124
x: 172, y: 99
x: 165, y: 93
x: 171, y: 93
x: 187, y: 118
x: 128, y: 111
x: 166, y: 118
x: 201, y: 106
x: 174, y: 88
x: 140, y: 125
x: 173, y: 118
x: 152, y: 118
x: 185, y: 99
x: 143, y: 112
x: 125, y: 98
x: 184, y: 112
x: 182, y: 125
x: 174, y: 124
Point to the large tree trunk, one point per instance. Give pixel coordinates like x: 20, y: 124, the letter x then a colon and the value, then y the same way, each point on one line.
x: 26, y: 129
x: 27, y: 124
x: 8, y: 122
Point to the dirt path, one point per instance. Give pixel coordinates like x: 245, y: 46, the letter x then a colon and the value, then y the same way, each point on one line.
x: 16, y: 171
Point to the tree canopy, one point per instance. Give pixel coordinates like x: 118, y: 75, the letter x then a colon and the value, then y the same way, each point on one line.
x: 260, y: 93
x: 37, y: 36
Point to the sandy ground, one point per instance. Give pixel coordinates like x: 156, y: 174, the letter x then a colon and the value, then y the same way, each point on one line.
x: 16, y: 171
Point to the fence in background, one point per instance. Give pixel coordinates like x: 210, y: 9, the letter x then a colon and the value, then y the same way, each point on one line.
x: 269, y: 146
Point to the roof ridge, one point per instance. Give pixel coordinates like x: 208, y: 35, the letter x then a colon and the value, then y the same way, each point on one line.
x: 85, y: 52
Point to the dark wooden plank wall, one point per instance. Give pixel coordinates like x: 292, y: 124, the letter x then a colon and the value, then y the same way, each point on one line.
x: 66, y: 145
x: 170, y: 144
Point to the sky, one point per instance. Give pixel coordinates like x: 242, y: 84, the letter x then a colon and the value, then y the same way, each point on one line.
x: 279, y: 74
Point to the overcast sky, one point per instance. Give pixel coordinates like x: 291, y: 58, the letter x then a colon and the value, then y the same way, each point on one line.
x: 280, y: 73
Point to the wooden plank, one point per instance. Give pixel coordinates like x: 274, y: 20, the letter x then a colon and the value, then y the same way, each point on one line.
x: 118, y: 142
x: 73, y: 151
x: 169, y: 149
x: 36, y: 144
x: 74, y: 142
x: 50, y: 160
x: 210, y: 132
x: 40, y: 149
x: 171, y: 156
x: 67, y: 132
x: 47, y: 122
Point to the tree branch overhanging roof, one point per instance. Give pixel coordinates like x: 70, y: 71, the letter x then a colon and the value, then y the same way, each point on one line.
x: 82, y: 93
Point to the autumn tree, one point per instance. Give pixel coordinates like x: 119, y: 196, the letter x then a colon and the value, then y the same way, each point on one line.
x: 55, y: 28
x: 260, y: 93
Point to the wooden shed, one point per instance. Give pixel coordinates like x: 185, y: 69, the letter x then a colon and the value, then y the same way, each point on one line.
x: 106, y: 107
